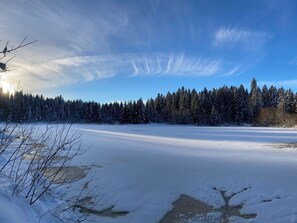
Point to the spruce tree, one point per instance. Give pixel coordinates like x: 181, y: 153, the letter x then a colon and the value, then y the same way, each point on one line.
x: 195, y: 108
x: 214, y: 120
x: 265, y: 96
x: 281, y: 103
x: 255, y: 99
x: 273, y: 97
x: 289, y: 101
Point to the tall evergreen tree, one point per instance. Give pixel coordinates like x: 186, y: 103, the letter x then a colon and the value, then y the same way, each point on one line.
x: 289, y: 101
x: 195, y: 108
x: 255, y: 99
x: 281, y: 102
x: 265, y: 96
x: 241, y: 108
x: 214, y: 119
x: 273, y: 97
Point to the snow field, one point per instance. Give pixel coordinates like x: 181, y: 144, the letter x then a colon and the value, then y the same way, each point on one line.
x: 147, y: 167
x: 142, y: 169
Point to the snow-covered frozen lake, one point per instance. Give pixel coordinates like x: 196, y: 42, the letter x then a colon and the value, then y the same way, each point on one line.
x: 147, y: 167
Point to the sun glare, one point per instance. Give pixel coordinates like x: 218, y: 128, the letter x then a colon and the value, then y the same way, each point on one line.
x: 7, y: 87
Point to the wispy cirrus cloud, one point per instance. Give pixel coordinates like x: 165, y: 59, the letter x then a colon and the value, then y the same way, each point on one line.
x: 234, y: 71
x: 282, y: 83
x: 108, y: 32
x: 231, y: 36
x: 66, y: 28
x: 173, y: 65
x: 69, y: 70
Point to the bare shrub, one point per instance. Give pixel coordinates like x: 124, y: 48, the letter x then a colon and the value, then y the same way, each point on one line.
x: 276, y: 117
x: 38, y: 159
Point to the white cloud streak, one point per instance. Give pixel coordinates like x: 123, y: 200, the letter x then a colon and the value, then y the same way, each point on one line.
x: 70, y: 70
x: 281, y: 83
x: 228, y: 36
x: 173, y: 65
x: 66, y: 32
x: 234, y: 71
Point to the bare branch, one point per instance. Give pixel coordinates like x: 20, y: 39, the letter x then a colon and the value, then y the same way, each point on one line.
x: 21, y: 45
x: 5, y: 51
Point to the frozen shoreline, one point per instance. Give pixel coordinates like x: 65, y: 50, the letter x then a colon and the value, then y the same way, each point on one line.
x: 146, y: 168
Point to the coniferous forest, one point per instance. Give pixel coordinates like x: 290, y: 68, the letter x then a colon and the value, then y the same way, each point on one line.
x: 225, y: 105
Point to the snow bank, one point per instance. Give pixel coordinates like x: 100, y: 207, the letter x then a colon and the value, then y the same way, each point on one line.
x: 147, y: 167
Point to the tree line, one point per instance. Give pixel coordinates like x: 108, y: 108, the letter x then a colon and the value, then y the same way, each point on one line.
x: 225, y: 105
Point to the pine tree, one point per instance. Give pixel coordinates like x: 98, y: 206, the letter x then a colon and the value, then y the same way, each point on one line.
x: 214, y: 120
x: 289, y: 101
x: 150, y: 111
x: 295, y: 103
x: 205, y: 104
x: 265, y: 96
x: 273, y: 97
x: 281, y: 99
x: 195, y: 108
x: 169, y: 108
x: 138, y: 112
x: 255, y: 99
x: 241, y: 109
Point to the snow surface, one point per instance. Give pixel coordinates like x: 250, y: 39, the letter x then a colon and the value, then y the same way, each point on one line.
x: 147, y: 167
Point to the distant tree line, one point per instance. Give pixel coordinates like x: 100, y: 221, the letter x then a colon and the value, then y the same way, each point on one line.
x: 225, y: 105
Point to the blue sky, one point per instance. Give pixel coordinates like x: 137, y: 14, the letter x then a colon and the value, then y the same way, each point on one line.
x: 121, y: 50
